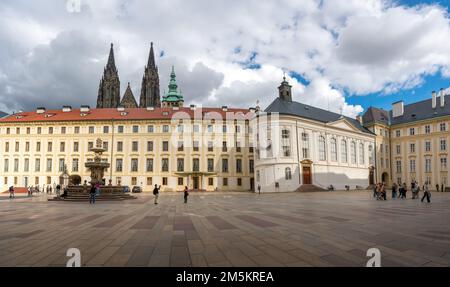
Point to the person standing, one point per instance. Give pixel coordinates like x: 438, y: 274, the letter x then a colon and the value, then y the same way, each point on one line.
x: 11, y: 192
x: 259, y: 188
x: 186, y: 194
x: 375, y: 191
x: 58, y: 190
x: 437, y: 187
x: 156, y: 193
x: 92, y: 194
x: 442, y: 187
x: 426, y: 194
x: 394, y: 190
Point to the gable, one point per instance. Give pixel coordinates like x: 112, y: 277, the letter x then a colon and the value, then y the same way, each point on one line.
x: 343, y: 124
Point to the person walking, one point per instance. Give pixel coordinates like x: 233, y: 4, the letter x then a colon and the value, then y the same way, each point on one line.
x: 259, y: 188
x: 437, y: 187
x: 156, y: 193
x: 11, y: 192
x: 92, y: 194
x: 394, y: 190
x: 442, y: 187
x: 375, y: 191
x: 186, y: 194
x: 29, y: 191
x: 426, y: 194
x: 58, y: 190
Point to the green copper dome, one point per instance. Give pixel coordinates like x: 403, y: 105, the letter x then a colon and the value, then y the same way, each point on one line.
x: 173, y: 95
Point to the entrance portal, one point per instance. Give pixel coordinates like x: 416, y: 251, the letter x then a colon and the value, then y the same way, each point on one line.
x: 385, y: 178
x: 195, y: 182
x: 307, y: 175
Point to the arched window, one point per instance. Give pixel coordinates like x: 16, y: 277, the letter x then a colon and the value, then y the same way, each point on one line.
x: 333, y: 149
x: 288, y: 173
x: 344, y: 153
x: 353, y: 152
x: 361, y: 153
x: 322, y: 153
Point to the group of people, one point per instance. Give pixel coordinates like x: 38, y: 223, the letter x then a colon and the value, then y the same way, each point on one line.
x: 379, y: 191
x: 158, y: 188
x: 31, y: 190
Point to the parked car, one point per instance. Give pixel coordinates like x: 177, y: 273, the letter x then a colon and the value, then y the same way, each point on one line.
x: 126, y: 189
x: 136, y: 189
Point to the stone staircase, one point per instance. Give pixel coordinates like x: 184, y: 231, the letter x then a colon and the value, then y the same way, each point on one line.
x: 309, y: 188
x: 84, y: 197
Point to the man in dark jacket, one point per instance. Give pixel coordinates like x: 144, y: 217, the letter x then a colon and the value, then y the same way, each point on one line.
x: 156, y: 193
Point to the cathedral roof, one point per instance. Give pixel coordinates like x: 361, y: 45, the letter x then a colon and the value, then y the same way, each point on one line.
x: 128, y: 100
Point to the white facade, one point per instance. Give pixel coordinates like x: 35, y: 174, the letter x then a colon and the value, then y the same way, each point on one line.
x: 335, y: 153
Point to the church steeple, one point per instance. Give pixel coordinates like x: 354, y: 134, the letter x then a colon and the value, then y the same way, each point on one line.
x: 285, y: 90
x: 150, y: 96
x: 109, y: 88
x: 173, y: 98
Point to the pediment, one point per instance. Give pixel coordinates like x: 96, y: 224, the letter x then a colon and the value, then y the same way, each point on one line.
x: 343, y: 124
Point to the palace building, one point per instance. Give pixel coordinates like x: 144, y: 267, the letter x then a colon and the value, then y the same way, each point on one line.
x: 288, y: 146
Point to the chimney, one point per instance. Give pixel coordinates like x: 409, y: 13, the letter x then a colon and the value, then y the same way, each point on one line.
x: 150, y: 108
x: 442, y: 97
x: 433, y: 99
x: 397, y: 109
x: 120, y: 108
x: 40, y: 110
x: 66, y: 109
x: 84, y: 109
x: 224, y: 108
x: 192, y: 107
x: 359, y: 119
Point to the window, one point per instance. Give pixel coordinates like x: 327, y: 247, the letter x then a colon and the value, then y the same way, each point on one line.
x: 210, y: 165
x: 210, y: 128
x: 8, y: 131
x: 412, y: 165
x: 285, y: 134
x: 225, y: 181
x: 120, y: 146
x: 164, y: 181
x: 76, y: 146
x: 134, y: 165
x: 91, y: 129
x: 180, y: 146
x: 180, y: 181
x: 238, y: 146
x: 322, y: 155
x: 49, y: 180
x: 371, y: 155
x: 443, y: 144
x: 62, y: 146
x: 75, y: 165
x: 239, y: 181
x: 443, y: 163
x: 90, y: 146
x: 288, y: 173
x: 27, y: 146
x: 239, y: 165
x: 224, y: 165
x: 195, y: 165
x: 50, y: 130
x: 49, y: 165
x: 135, y: 129
x: 150, y: 146
x: 180, y: 164
x: 398, y: 149
x: 28, y: 131
x: 442, y: 127
x: 119, y: 165
x: 165, y: 165
x: 353, y: 152
x: 286, y: 151
x: 63, y: 130
x: 428, y: 165
x: 399, y: 166
x: 149, y: 165
x: 165, y: 146
x: 37, y: 165
x: 120, y: 129
x: 105, y: 145
x: 427, y: 146
x: 26, y: 165
x: 210, y: 181
x: 180, y: 128
x: 6, y: 146
x: 333, y: 149
x: 134, y: 146
x: 6, y: 165
x: 16, y: 165
x: 106, y: 129
x: 361, y: 153
x: 411, y: 131
x: 17, y: 147
x: 196, y: 129
x: 195, y: 145
x: 134, y: 180
x: 251, y: 165
x: 149, y: 181
x: 344, y: 152
x: 165, y: 128
x: 427, y: 129
x: 210, y: 146
x: 224, y: 128
x: 61, y: 165
x: 150, y: 129
x: 412, y: 148
x: 224, y: 146
x: 77, y: 130
x: 49, y: 146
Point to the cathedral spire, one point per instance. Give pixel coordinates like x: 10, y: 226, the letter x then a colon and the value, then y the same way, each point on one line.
x: 151, y: 58
x: 150, y: 96
x: 109, y: 88
x: 111, y: 61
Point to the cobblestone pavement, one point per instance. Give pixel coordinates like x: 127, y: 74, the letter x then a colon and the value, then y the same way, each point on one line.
x: 228, y: 229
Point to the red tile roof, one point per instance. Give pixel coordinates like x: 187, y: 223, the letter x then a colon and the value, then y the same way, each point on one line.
x: 129, y: 114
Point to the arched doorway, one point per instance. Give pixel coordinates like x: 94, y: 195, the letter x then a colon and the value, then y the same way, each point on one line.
x: 385, y: 178
x: 371, y: 175
x: 306, y: 172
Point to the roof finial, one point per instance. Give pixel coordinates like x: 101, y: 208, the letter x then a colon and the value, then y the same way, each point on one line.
x: 284, y: 76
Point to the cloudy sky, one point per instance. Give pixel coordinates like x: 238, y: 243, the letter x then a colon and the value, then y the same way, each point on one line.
x: 338, y: 55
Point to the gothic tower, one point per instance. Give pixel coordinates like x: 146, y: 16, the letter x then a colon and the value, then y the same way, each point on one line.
x: 109, y: 88
x: 128, y: 100
x: 150, y: 84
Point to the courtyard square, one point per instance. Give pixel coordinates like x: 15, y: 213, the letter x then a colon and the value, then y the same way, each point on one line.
x: 228, y: 229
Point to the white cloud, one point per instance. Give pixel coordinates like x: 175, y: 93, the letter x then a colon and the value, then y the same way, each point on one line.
x: 52, y: 57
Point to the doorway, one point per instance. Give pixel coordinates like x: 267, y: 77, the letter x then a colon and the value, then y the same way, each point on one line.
x: 307, y: 175
x: 252, y: 184
x: 195, y: 182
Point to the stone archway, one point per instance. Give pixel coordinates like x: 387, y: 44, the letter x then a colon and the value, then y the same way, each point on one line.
x: 385, y: 178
